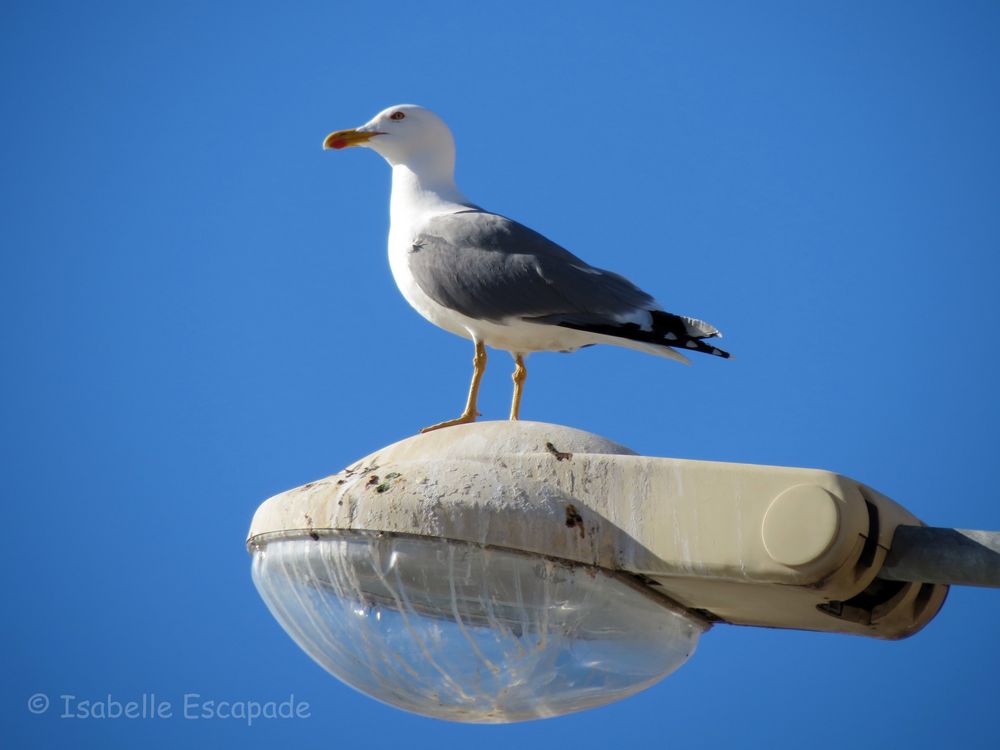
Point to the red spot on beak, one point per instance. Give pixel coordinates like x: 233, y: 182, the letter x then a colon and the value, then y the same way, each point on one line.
x: 338, y: 144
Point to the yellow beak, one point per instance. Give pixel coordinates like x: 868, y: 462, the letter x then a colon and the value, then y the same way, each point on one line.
x: 345, y: 138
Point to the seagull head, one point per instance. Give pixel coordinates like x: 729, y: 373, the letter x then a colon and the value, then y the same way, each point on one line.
x: 405, y: 135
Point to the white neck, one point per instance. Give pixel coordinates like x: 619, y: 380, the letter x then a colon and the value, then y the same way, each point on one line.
x: 422, y: 192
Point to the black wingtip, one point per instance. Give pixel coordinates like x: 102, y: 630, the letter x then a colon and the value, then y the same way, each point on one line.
x: 673, y: 337
x: 698, y: 345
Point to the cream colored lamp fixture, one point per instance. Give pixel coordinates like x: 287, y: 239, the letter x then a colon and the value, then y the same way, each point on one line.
x: 507, y: 571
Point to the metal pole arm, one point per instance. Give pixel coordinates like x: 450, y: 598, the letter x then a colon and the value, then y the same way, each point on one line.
x: 959, y: 557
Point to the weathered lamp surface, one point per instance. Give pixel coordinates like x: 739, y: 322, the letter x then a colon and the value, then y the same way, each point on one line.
x: 469, y: 633
x: 501, y: 571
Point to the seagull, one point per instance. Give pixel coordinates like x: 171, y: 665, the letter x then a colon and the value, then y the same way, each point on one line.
x: 487, y: 278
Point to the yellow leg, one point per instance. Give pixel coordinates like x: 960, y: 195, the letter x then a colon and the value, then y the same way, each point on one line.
x: 470, y: 413
x: 519, y: 376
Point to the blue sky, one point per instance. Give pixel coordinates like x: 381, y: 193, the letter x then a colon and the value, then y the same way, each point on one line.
x: 198, y: 313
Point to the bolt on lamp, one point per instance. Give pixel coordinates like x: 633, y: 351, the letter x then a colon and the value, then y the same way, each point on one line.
x: 506, y: 571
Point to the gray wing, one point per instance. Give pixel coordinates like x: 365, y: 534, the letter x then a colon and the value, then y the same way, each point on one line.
x: 491, y: 268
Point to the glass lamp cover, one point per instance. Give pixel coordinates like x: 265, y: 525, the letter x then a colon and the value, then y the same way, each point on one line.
x: 468, y: 633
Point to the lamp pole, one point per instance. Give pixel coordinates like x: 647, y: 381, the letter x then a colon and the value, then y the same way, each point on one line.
x: 957, y: 557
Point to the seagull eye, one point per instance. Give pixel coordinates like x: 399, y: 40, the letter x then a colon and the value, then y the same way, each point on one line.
x: 397, y: 116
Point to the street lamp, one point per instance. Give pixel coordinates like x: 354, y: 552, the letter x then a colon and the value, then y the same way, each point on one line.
x: 505, y: 571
